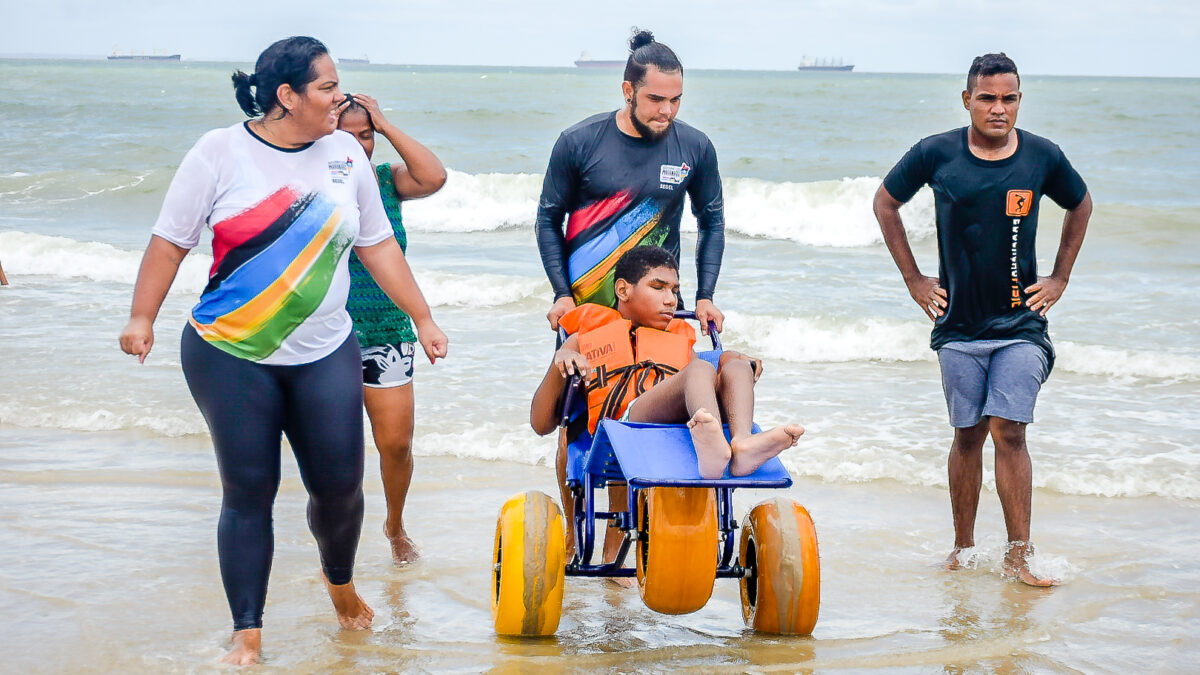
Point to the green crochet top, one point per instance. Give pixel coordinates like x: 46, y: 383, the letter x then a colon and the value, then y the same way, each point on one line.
x: 377, y: 320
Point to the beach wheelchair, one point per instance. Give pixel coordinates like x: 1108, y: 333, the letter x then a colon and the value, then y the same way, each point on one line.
x: 680, y: 528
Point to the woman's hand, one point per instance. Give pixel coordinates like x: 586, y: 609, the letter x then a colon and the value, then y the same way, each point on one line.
x: 433, y: 340
x: 138, y: 338
x: 376, y: 114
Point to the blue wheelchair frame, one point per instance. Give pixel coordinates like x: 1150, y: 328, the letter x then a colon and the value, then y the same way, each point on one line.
x: 644, y: 456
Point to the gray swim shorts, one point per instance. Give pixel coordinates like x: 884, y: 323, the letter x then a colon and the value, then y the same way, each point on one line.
x: 994, y: 378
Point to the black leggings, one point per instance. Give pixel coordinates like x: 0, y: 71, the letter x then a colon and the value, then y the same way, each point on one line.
x: 248, y: 406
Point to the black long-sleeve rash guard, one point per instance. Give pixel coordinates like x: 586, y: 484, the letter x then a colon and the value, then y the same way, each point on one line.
x: 617, y: 192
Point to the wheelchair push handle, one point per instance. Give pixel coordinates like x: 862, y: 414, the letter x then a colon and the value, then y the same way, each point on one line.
x: 569, y: 398
x: 712, y: 327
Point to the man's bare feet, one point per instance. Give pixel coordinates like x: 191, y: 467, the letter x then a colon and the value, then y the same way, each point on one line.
x: 1016, y: 565
x: 622, y: 582
x: 751, y: 452
x: 247, y: 648
x: 712, y: 450
x: 352, y: 611
x: 404, y: 551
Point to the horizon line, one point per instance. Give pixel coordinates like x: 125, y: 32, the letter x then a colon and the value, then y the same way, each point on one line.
x: 30, y: 56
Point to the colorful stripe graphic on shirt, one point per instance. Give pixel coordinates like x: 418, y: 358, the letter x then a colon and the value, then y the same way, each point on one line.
x: 591, y: 264
x: 275, y: 267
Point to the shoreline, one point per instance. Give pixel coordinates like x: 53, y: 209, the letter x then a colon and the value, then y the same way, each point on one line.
x: 101, y: 543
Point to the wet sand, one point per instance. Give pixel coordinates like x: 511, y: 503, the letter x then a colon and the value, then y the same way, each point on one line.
x: 108, y: 564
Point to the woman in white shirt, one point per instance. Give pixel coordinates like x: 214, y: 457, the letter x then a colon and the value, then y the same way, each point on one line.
x: 270, y: 350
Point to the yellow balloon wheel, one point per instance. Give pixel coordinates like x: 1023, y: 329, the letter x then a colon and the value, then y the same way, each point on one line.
x: 677, y: 548
x: 528, y: 566
x: 782, y: 593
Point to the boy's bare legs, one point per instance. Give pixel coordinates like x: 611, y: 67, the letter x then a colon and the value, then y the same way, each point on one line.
x: 690, y: 395
x: 617, y: 499
x: 735, y: 386
x: 564, y: 493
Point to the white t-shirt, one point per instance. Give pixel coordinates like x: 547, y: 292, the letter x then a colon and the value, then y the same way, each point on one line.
x: 283, y: 224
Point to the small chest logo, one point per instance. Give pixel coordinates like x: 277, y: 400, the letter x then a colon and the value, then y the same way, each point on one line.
x: 669, y: 174
x: 339, y: 171
x: 1019, y: 203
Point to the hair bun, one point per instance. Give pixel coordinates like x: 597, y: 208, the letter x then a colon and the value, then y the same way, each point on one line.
x: 640, y: 39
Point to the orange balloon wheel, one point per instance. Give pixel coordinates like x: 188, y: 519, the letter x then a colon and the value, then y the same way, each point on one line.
x: 528, y: 566
x: 677, y: 548
x: 782, y: 592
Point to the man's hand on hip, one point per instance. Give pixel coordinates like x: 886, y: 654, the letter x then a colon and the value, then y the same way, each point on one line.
x: 929, y: 295
x: 706, y: 311
x: 1046, y: 292
x: 560, y: 307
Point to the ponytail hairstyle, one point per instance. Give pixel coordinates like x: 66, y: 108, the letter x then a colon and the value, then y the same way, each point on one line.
x: 645, y: 51
x: 289, y: 61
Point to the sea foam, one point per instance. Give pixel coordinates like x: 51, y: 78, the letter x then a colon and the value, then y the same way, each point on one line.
x: 833, y: 213
x: 36, y: 254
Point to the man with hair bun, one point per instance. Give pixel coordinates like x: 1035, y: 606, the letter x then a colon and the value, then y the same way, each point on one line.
x: 619, y: 179
x: 988, y: 303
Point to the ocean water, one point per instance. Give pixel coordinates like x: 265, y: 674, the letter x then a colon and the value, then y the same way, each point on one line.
x: 87, y: 150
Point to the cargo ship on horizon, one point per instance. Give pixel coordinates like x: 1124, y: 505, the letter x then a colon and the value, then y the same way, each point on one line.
x: 824, y: 65
x: 115, y: 56
x: 586, y: 61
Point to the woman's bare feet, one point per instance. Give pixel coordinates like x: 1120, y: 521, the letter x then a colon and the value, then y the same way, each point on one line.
x: 751, y: 452
x: 247, y: 648
x: 352, y: 611
x: 1016, y: 565
x: 712, y: 450
x: 404, y: 551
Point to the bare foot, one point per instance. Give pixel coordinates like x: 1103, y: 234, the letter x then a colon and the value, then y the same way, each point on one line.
x: 952, y: 560
x: 751, y: 452
x: 247, y: 648
x: 712, y: 450
x: 352, y: 611
x: 404, y: 551
x: 1016, y: 566
x: 622, y: 582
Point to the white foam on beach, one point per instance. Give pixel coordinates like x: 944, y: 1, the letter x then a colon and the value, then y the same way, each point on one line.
x: 1099, y: 360
x: 477, y: 203
x: 82, y: 416
x: 821, y: 339
x: 36, y: 254
x: 443, y: 289
x: 489, y: 441
x: 834, y: 213
x: 828, y: 340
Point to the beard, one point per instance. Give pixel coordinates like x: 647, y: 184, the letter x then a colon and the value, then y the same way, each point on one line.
x: 645, y: 131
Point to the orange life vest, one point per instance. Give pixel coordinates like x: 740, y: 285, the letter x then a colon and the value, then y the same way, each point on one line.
x: 625, y: 362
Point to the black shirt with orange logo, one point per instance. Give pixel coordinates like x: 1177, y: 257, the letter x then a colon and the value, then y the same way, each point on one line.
x: 986, y: 227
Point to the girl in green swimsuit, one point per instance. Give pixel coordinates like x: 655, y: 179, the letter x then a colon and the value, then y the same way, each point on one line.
x: 385, y: 333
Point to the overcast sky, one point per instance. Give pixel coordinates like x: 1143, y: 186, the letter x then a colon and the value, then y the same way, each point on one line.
x: 1068, y: 37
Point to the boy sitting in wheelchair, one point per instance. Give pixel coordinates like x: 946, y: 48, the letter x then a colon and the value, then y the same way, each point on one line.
x: 638, y: 365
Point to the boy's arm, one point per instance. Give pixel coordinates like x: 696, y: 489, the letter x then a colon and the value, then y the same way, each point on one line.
x: 543, y: 411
